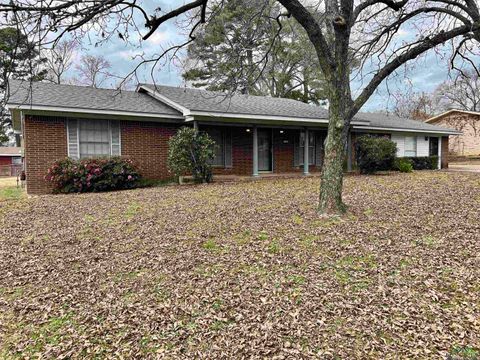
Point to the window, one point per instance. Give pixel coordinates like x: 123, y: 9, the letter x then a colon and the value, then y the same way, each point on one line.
x: 94, y: 138
x: 218, y: 136
x: 311, y: 147
x: 89, y: 138
x: 17, y: 160
x: 410, y: 146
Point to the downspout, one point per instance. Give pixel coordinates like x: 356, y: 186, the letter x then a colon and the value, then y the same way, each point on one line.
x: 22, y: 143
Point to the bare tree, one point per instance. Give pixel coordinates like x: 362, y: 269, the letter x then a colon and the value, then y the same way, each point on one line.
x: 418, y: 106
x: 59, y: 60
x: 93, y: 70
x: 372, y: 29
x: 463, y: 92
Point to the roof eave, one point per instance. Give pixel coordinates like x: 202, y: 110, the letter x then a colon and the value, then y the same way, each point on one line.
x: 409, y: 130
x: 439, y: 116
x: 164, y: 99
x: 13, y: 106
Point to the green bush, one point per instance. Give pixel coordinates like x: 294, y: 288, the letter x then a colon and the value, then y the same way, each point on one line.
x: 375, y: 154
x: 424, y: 162
x: 404, y: 165
x: 93, y: 175
x: 191, y: 152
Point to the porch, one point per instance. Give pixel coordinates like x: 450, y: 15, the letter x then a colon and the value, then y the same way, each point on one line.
x: 265, y: 151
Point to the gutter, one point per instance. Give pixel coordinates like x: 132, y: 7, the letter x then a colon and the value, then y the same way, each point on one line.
x: 12, y: 106
x: 424, y: 131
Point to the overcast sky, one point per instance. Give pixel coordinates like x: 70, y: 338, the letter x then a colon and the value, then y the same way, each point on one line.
x: 427, y: 73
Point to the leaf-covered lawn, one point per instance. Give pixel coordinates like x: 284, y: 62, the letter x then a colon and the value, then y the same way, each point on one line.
x: 245, y: 270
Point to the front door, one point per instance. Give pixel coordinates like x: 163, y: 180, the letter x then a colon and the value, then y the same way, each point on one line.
x: 433, y: 146
x: 264, y: 150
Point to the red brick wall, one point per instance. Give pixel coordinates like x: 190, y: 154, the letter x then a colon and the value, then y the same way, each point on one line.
x: 283, y: 152
x: 445, y: 152
x: 45, y: 142
x: 147, y: 144
x: 5, y: 160
x: 242, y: 153
x: 283, y: 145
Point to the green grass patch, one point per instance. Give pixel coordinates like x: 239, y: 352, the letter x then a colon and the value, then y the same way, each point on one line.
x: 44, y: 336
x: 132, y: 209
x: 262, y: 236
x: 297, y: 279
x: 297, y: 219
x: 465, y: 353
x: 218, y: 325
x: 210, y: 245
x: 145, y: 183
x: 274, y: 247
x: 11, y: 193
x: 428, y: 241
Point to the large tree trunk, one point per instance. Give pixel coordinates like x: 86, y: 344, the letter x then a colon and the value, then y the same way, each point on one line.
x: 332, y: 175
x: 340, y: 99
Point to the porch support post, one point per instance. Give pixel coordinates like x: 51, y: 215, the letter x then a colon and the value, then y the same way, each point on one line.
x: 255, y: 151
x: 349, y: 151
x: 439, y: 152
x: 305, y: 153
x: 195, y: 125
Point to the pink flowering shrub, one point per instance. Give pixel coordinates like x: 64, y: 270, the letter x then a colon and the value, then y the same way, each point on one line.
x: 93, y: 175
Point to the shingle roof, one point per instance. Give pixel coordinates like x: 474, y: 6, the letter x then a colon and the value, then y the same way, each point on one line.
x: 10, y: 151
x: 82, y: 97
x: 209, y: 101
x: 87, y: 98
x: 394, y: 122
x: 217, y: 102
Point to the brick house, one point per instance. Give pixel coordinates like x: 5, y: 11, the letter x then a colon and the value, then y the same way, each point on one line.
x: 466, y: 122
x: 255, y: 134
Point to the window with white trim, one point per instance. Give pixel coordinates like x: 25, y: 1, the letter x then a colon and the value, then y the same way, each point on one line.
x: 218, y: 136
x: 311, y: 147
x: 410, y: 146
x: 89, y: 138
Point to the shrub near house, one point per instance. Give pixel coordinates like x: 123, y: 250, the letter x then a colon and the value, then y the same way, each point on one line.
x: 375, y: 154
x: 93, y: 175
x: 191, y: 152
x: 379, y: 154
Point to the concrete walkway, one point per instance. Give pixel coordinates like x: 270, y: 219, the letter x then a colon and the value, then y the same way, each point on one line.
x: 475, y: 168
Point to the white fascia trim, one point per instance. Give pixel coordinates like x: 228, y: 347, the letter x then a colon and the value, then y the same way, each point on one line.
x: 191, y: 115
x: 403, y: 130
x: 452, y: 111
x: 92, y: 111
x: 166, y: 100
x: 251, y: 117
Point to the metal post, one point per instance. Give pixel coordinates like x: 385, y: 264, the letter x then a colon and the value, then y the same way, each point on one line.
x: 255, y: 151
x: 305, y: 153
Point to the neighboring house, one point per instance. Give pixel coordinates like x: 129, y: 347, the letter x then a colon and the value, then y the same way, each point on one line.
x: 466, y: 122
x: 10, y: 160
x: 255, y: 134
